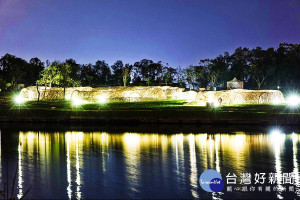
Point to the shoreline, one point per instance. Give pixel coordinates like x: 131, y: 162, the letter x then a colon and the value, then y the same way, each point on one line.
x: 155, y: 112
x: 121, y: 128
x: 140, y: 120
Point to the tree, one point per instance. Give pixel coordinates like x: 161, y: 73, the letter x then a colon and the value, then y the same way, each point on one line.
x: 3, y: 84
x: 64, y: 76
x: 259, y: 74
x: 180, y: 77
x: 13, y: 70
x: 201, y: 77
x: 160, y: 70
x: 287, y: 70
x: 261, y: 65
x: 126, y: 74
x: 60, y: 74
x: 50, y: 74
x: 117, y: 76
x: 147, y: 71
x: 214, y: 68
x: 166, y: 77
x: 102, y: 72
x: 74, y: 72
x: 148, y: 81
x: 142, y: 71
x: 225, y: 74
x: 43, y: 80
x: 87, y: 75
x: 36, y: 66
x: 169, y: 75
x: 190, y: 75
x: 64, y: 71
x: 239, y: 64
x: 156, y: 72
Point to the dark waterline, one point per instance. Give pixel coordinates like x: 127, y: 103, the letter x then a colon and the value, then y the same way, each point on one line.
x: 91, y: 164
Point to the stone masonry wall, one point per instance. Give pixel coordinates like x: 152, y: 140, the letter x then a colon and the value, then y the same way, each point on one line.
x: 229, y: 97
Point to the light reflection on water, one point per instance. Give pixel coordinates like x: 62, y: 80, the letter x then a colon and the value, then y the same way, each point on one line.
x: 278, y: 140
x: 20, y: 179
x: 132, y: 165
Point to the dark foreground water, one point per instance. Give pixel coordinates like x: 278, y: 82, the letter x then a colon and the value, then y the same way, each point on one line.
x: 82, y: 165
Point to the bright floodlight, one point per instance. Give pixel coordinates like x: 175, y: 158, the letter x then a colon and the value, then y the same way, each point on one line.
x: 102, y: 99
x: 276, y: 101
x: 277, y: 137
x: 276, y: 132
x: 77, y: 101
x: 19, y: 99
x: 214, y: 103
x: 293, y: 100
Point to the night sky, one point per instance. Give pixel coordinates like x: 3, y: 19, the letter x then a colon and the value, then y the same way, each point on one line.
x: 177, y: 32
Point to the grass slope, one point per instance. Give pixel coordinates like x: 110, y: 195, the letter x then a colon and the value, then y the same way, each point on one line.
x: 149, y: 111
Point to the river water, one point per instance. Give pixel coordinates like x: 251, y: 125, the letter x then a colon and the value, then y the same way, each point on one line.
x: 80, y: 165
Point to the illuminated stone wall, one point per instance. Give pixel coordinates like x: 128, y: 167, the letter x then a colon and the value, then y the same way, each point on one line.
x: 240, y: 96
x: 110, y: 93
x: 229, y: 97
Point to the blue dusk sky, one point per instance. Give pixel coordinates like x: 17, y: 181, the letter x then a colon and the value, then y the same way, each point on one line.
x: 178, y: 32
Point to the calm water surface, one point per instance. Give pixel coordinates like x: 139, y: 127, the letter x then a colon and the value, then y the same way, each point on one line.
x: 80, y: 165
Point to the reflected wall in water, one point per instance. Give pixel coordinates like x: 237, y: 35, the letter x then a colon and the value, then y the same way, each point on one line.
x: 74, y: 163
x: 132, y: 165
x: 295, y: 139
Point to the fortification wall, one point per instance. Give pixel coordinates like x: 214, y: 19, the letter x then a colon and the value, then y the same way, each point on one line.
x: 110, y: 93
x: 229, y: 97
x: 240, y: 96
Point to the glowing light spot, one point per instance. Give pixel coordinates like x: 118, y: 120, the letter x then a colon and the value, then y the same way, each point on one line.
x: 132, y: 140
x: 80, y: 135
x: 19, y: 99
x: 102, y: 99
x: 213, y: 103
x: 293, y: 100
x: 294, y: 137
x: 216, y: 104
x: 277, y: 137
x: 276, y: 101
x: 30, y: 136
x: 77, y: 101
x: 276, y: 132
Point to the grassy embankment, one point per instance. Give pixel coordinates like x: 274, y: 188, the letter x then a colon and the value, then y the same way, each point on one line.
x: 145, y: 112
